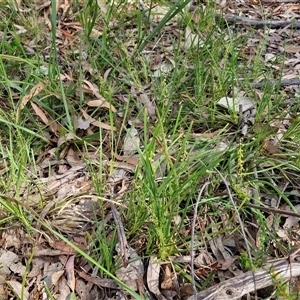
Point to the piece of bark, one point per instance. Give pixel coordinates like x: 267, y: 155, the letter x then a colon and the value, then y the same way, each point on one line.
x: 238, y: 286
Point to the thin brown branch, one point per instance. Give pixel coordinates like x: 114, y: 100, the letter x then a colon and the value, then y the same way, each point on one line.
x: 193, y: 234
x: 258, y: 22
x: 121, y: 236
x: 280, y: 1
x: 284, y: 82
x: 270, y: 209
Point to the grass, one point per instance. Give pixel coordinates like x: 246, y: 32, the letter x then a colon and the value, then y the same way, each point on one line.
x: 184, y: 138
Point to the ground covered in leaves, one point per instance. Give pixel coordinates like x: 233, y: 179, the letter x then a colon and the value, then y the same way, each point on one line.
x: 149, y: 150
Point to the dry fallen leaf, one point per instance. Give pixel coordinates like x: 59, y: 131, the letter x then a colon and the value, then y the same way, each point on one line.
x: 98, y: 123
x: 153, y: 277
x: 148, y: 104
x: 53, y: 274
x: 36, y: 267
x: 18, y: 289
x: 132, y: 160
x: 70, y: 273
x: 65, y: 139
x: 291, y: 221
x: 82, y: 124
x: 40, y: 113
x: 131, y: 142
x: 167, y: 283
x: 10, y: 263
x: 64, y: 290
x: 102, y: 6
x: 101, y: 103
x: 62, y: 246
x: 82, y: 289
x: 292, y: 48
x: 192, y: 39
x: 101, y: 282
x: 132, y: 275
x: 163, y: 69
x: 33, y: 92
x: 223, y: 257
x: 234, y: 103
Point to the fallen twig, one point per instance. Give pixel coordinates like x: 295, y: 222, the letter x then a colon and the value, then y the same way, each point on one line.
x: 270, y: 209
x: 193, y: 233
x: 264, y: 208
x: 121, y: 235
x: 284, y: 82
x: 258, y: 22
x: 280, y: 1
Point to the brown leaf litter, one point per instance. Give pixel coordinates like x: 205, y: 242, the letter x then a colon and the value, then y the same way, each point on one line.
x: 63, y: 194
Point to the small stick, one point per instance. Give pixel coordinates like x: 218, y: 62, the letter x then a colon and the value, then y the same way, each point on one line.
x: 258, y: 22
x: 270, y: 209
x: 193, y: 236
x: 121, y: 235
x: 284, y: 82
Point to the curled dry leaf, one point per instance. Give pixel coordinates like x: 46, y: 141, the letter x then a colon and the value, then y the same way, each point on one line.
x: 101, y: 282
x: 81, y: 289
x: 133, y: 274
x: 64, y: 290
x: 291, y: 221
x: 234, y: 104
x: 203, y: 259
x: 10, y: 263
x: 40, y: 113
x: 33, y: 92
x: 272, y: 146
x: 148, y: 104
x: 192, y: 39
x: 66, y: 139
x: 163, y: 69
x: 65, y: 248
x: 167, y: 283
x: 72, y: 157
x: 70, y: 273
x: 82, y: 124
x: 223, y: 257
x: 101, y: 103
x: 98, y: 123
x: 186, y: 290
x: 131, y: 142
x: 153, y: 278
x: 18, y: 289
x: 52, y: 274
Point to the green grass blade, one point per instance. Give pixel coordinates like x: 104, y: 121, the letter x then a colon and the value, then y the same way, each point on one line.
x: 174, y: 10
